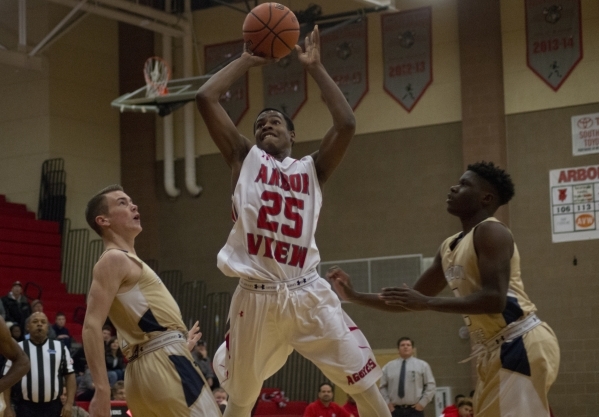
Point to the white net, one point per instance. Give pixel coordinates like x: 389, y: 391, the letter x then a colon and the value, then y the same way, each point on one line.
x: 157, y: 74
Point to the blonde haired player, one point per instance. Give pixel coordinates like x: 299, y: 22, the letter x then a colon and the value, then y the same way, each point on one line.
x: 161, y: 379
x: 281, y: 303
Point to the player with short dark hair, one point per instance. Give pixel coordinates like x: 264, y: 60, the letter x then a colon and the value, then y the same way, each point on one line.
x: 518, y: 354
x: 281, y: 303
x: 161, y: 379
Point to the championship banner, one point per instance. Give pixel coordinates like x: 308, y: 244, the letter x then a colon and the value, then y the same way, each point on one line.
x: 574, y: 203
x: 585, y: 134
x: 407, y: 54
x: 235, y: 100
x: 553, y: 39
x: 284, y: 84
x: 344, y: 54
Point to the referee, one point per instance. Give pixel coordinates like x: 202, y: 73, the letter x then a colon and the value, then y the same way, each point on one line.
x: 51, y: 369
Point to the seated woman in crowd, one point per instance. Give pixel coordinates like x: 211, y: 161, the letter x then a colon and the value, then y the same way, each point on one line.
x: 115, y: 364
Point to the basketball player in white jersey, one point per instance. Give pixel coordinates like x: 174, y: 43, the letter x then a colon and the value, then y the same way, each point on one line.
x: 517, y: 353
x: 281, y: 303
x: 161, y: 379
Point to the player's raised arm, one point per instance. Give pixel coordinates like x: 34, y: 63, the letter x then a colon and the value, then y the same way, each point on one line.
x: 109, y: 273
x: 335, y: 142
x: 230, y: 142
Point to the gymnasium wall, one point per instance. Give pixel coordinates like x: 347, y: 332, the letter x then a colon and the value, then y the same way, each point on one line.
x: 563, y: 290
x: 387, y: 198
x: 524, y: 91
x: 24, y: 111
x: 437, y: 106
x: 61, y: 110
x: 84, y: 128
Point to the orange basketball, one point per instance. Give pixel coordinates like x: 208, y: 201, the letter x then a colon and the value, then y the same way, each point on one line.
x: 270, y: 30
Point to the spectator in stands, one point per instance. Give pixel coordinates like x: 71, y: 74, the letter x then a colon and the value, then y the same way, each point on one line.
x: 452, y: 410
x: 118, y: 391
x: 351, y: 407
x: 62, y: 333
x: 38, y: 307
x: 201, y: 358
x: 42, y: 386
x: 85, y: 387
x: 16, y: 305
x: 76, y: 411
x: 79, y: 362
x: 16, y: 332
x: 2, y: 311
x: 324, y: 405
x: 465, y: 408
x: 221, y: 397
x: 114, y: 362
x: 107, y: 335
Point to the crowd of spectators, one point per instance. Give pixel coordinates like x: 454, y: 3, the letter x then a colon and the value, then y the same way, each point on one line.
x: 16, y: 311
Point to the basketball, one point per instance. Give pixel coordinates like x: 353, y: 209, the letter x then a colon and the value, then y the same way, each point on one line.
x: 270, y: 30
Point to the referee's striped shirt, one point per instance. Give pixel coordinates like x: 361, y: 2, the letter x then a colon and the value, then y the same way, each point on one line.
x: 50, y: 362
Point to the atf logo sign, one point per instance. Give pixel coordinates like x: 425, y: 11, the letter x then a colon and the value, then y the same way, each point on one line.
x: 585, y: 221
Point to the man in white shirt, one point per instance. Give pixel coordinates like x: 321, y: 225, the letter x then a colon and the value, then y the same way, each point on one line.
x: 407, y: 384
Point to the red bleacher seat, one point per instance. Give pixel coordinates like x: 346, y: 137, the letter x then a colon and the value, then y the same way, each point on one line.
x: 266, y: 408
x: 272, y: 409
x: 30, y: 252
x: 75, y: 331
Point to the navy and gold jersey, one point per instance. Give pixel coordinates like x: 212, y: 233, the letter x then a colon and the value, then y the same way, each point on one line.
x: 460, y: 265
x: 146, y: 308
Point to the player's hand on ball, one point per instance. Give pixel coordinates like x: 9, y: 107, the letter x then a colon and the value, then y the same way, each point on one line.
x: 311, y: 54
x: 341, y: 283
x: 193, y: 336
x: 405, y: 297
x: 255, y: 60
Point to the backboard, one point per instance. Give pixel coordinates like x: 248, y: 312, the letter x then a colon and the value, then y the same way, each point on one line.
x: 180, y: 91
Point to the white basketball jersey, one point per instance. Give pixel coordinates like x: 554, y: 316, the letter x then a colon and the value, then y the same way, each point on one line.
x: 275, y: 207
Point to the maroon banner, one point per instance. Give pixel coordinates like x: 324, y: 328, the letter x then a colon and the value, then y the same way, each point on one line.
x: 235, y: 101
x: 285, y: 85
x: 407, y: 54
x: 344, y: 54
x: 553, y: 39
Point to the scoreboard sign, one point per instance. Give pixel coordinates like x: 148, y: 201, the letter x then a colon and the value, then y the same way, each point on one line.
x: 574, y: 203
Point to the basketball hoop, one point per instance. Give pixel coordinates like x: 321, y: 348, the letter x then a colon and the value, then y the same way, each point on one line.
x: 157, y: 74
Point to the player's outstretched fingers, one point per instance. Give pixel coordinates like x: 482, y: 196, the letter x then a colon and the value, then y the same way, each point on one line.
x: 193, y: 336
